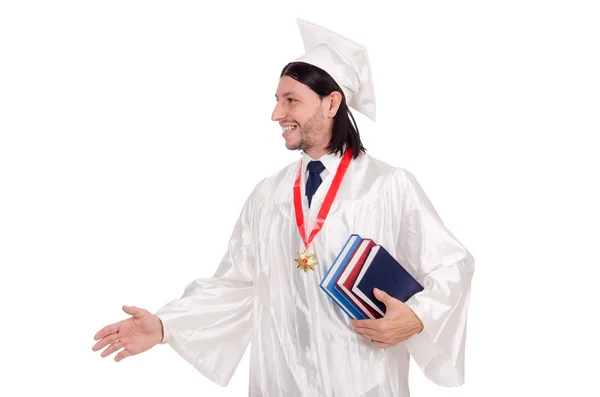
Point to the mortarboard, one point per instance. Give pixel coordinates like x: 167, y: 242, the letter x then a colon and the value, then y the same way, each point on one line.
x: 346, y: 62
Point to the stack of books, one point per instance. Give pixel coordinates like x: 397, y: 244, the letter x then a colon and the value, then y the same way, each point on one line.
x: 360, y: 267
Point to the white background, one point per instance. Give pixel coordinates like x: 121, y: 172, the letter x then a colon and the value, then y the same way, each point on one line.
x: 133, y: 131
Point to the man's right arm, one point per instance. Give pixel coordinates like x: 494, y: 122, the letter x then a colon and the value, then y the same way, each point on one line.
x: 211, y: 324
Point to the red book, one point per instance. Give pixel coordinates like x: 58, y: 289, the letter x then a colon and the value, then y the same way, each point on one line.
x: 348, y: 276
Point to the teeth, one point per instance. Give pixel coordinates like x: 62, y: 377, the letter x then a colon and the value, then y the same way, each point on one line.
x: 288, y: 128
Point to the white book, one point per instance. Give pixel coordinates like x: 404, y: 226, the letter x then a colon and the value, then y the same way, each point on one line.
x: 360, y: 276
x: 364, y: 245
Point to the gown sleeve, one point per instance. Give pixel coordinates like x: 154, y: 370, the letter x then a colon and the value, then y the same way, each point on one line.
x: 211, y: 324
x: 444, y: 268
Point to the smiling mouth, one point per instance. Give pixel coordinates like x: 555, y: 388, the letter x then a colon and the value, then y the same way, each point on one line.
x: 288, y: 128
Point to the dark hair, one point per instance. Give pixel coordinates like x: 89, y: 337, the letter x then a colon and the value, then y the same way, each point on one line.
x: 345, y: 130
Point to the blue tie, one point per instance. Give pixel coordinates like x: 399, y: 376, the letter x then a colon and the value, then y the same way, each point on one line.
x: 314, y: 179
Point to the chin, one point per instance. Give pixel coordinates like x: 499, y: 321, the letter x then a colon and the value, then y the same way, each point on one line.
x: 293, y: 145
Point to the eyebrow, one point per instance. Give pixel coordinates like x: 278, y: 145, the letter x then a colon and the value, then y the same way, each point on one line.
x: 286, y: 94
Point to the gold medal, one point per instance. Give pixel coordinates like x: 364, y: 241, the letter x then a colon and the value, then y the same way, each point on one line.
x: 306, y: 261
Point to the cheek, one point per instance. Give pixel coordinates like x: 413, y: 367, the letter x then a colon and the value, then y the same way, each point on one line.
x: 304, y: 122
x: 294, y: 116
x: 300, y: 116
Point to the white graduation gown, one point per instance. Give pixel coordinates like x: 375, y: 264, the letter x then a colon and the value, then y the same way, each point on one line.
x: 302, y: 344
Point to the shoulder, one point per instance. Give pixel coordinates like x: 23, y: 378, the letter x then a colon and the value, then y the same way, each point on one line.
x: 272, y: 186
x: 283, y: 174
x: 373, y: 166
x: 385, y: 178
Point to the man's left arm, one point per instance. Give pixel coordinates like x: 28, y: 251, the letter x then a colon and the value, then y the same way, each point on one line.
x: 432, y: 323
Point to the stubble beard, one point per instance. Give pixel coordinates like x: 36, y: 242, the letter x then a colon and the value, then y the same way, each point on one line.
x: 307, y: 139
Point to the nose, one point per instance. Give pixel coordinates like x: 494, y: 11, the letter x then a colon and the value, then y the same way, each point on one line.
x: 278, y: 112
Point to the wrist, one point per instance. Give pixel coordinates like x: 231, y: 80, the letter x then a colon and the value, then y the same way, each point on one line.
x: 163, y: 334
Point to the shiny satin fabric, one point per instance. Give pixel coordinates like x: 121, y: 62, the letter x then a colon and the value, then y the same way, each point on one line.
x: 302, y: 344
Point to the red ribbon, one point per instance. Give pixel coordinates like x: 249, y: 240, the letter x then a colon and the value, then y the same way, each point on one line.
x: 322, y: 215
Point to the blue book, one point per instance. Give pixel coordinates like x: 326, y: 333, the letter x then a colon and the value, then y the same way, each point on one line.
x: 381, y: 270
x: 328, y: 282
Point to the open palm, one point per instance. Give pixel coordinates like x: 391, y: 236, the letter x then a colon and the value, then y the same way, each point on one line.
x: 132, y: 336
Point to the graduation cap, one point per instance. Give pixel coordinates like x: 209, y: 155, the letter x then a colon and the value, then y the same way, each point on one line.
x: 346, y: 62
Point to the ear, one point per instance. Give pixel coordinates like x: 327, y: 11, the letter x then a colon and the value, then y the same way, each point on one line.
x: 334, y: 100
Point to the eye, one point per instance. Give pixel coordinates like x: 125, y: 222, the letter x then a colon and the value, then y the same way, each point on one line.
x: 292, y: 100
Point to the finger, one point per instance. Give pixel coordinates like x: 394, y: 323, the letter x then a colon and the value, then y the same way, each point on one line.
x: 368, y: 324
x: 105, y: 341
x: 371, y: 335
x: 379, y: 341
x: 122, y: 354
x: 112, y: 348
x: 132, y: 310
x: 382, y: 345
x: 381, y: 296
x: 108, y: 330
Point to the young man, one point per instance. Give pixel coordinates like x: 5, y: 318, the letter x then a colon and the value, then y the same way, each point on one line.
x: 266, y: 289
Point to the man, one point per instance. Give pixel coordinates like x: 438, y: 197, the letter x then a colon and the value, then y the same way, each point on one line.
x: 266, y: 289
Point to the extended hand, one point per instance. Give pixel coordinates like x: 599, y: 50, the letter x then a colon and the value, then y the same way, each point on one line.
x: 134, y: 335
x: 398, y: 324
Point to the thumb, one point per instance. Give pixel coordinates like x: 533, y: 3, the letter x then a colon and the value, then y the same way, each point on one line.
x: 381, y: 296
x: 132, y: 310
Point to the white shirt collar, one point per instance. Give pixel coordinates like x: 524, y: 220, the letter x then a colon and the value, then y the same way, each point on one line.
x: 329, y: 160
